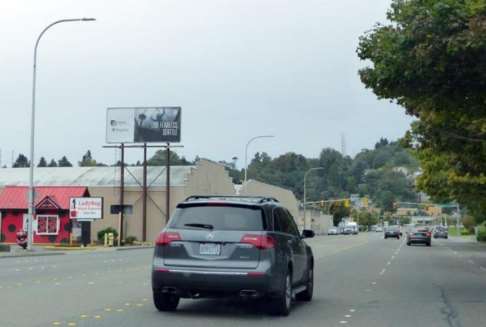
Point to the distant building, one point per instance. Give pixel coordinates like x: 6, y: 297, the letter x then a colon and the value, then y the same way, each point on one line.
x: 204, y: 178
x: 284, y: 196
x: 404, y: 212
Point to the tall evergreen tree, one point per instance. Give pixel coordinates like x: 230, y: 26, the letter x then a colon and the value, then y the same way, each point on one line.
x: 64, y: 162
x: 21, y: 162
x: 52, y: 163
x: 42, y: 162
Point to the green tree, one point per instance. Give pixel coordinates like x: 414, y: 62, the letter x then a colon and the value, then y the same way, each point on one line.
x: 87, y: 160
x: 52, y: 163
x: 21, y: 162
x: 431, y: 60
x: 338, y: 212
x: 64, y: 162
x: 160, y: 159
x: 42, y: 162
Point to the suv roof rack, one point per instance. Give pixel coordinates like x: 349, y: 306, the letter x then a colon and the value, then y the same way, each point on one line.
x: 254, y: 199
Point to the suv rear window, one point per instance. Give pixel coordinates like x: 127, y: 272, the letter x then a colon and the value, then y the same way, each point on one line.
x: 219, y: 217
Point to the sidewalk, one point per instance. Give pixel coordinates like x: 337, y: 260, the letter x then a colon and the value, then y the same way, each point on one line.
x: 16, y: 251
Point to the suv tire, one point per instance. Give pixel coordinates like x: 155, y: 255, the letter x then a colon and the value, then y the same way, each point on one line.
x: 306, y: 295
x: 165, y: 302
x: 280, y: 305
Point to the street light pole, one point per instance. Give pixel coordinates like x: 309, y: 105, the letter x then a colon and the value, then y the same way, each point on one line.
x: 305, y: 190
x: 246, y: 151
x: 31, y: 197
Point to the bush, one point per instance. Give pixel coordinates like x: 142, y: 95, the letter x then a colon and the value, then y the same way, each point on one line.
x: 469, y: 223
x: 130, y: 240
x: 482, y: 234
x: 101, y: 233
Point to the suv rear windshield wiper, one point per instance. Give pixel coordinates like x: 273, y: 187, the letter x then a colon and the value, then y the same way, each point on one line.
x: 198, y: 225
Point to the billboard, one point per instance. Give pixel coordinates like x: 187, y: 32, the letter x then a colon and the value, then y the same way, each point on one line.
x: 143, y: 124
x: 86, y: 208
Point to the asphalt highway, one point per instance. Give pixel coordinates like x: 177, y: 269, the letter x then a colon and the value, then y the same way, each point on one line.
x: 360, y: 280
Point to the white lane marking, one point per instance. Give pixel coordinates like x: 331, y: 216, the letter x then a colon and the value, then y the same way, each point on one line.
x: 90, y: 283
x: 470, y: 262
x: 383, y: 271
x: 373, y: 283
x: 343, y: 322
x: 393, y: 257
x: 482, y: 268
x: 347, y: 316
x: 388, y: 263
x: 352, y: 310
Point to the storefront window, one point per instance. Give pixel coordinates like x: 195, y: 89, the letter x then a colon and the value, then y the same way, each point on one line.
x: 47, y: 225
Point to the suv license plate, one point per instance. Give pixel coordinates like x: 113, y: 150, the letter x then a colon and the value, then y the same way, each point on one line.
x: 209, y: 249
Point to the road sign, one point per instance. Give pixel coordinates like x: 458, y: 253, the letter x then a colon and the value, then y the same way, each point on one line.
x: 143, y: 125
x: 86, y: 208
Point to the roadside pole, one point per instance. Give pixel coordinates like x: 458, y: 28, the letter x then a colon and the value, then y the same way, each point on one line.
x: 167, y: 186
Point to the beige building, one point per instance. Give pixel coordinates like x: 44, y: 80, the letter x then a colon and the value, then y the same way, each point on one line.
x: 284, y: 196
x: 319, y: 222
x: 206, y: 177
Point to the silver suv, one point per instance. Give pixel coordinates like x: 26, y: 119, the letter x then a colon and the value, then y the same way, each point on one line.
x: 248, y: 247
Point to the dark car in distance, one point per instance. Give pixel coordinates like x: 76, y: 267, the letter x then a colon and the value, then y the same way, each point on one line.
x: 392, y: 231
x: 218, y: 246
x: 441, y: 232
x: 419, y: 236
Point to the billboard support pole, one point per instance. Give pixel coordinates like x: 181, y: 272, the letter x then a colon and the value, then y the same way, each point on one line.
x: 167, y: 186
x: 122, y: 191
x: 144, y: 203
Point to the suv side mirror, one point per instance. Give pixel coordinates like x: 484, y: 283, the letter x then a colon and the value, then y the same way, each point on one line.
x: 307, y: 233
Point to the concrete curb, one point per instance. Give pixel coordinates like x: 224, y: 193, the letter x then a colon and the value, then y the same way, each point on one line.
x: 31, y: 255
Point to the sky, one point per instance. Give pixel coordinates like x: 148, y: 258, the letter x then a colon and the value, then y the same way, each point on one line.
x: 238, y: 69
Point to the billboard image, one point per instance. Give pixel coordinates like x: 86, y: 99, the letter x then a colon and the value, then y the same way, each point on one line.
x: 143, y: 124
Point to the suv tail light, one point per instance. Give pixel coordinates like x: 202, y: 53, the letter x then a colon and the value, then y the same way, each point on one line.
x: 429, y: 234
x: 167, y: 237
x: 259, y: 241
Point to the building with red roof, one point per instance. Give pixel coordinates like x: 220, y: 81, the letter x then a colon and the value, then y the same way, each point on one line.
x: 51, y: 223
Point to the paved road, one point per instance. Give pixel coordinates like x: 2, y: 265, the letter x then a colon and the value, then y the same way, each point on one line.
x: 361, y: 281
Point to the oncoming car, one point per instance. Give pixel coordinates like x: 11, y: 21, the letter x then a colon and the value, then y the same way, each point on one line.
x: 246, y: 247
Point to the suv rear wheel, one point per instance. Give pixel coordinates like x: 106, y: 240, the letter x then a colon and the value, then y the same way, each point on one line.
x: 309, y: 291
x: 281, y: 304
x: 165, y: 302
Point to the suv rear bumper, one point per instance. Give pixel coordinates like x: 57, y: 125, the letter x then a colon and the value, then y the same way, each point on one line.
x: 419, y: 240
x: 212, y: 283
